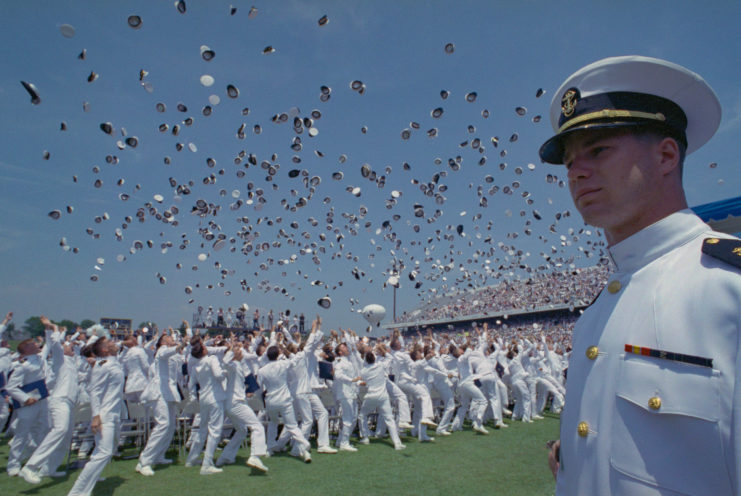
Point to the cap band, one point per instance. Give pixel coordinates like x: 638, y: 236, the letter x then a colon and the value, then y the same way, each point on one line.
x: 611, y: 114
x: 620, y: 105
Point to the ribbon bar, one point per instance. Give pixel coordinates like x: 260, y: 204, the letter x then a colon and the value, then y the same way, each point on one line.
x: 669, y: 355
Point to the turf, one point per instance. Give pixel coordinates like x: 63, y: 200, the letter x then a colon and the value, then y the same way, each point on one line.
x: 510, y: 461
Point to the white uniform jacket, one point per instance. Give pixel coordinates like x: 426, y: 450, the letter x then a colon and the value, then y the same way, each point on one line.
x: 106, y: 390
x: 638, y: 424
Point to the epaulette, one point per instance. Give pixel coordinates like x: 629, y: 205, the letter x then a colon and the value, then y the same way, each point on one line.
x: 727, y: 250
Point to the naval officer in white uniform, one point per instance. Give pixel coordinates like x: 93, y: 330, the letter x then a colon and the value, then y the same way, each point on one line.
x: 653, y: 402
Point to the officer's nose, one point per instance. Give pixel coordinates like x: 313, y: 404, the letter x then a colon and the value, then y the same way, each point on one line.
x: 578, y: 168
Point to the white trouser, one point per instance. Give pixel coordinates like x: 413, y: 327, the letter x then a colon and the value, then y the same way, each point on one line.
x: 503, y: 393
x: 290, y: 426
x: 400, y: 400
x: 161, y: 436
x: 32, y: 424
x: 522, y: 400
x: 105, y: 443
x: 50, y: 453
x: 421, y: 395
x: 349, y: 410
x: 4, y: 413
x: 533, y: 390
x: 243, y: 418
x: 383, y: 405
x: 212, y: 422
x: 448, y: 399
x: 471, y: 398
x: 417, y: 416
x: 489, y: 388
x: 543, y: 387
x: 554, y: 382
x: 309, y: 407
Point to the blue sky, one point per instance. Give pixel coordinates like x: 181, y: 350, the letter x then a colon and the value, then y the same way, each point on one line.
x: 504, y: 52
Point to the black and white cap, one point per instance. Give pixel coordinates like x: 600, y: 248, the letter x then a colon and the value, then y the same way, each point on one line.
x: 633, y: 91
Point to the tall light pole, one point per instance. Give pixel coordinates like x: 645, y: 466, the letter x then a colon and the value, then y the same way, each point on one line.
x: 396, y: 286
x: 395, y: 303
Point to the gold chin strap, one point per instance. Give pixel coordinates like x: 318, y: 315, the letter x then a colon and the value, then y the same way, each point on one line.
x: 610, y: 114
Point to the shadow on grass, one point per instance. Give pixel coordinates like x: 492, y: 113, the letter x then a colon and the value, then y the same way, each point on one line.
x: 48, y: 483
x: 109, y: 484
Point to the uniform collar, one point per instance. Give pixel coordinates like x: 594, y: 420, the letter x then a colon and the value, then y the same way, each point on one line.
x: 656, y: 240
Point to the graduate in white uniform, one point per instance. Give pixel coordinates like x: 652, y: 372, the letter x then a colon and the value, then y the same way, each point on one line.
x: 27, y: 386
x: 653, y: 401
x: 517, y: 379
x: 242, y: 416
x: 346, y: 394
x: 308, y: 405
x: 414, y: 390
x: 398, y: 398
x: 5, y: 363
x: 373, y: 375
x: 483, y: 369
x: 136, y: 368
x: 273, y: 377
x: 163, y: 391
x: 473, y: 401
x: 64, y: 391
x: 207, y: 380
x: 106, y: 403
x: 440, y: 382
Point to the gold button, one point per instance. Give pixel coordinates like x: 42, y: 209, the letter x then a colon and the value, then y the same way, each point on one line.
x: 582, y: 429
x: 654, y: 403
x: 614, y: 287
x: 592, y: 352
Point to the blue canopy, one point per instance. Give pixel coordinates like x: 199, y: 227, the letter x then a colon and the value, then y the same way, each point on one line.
x: 723, y: 215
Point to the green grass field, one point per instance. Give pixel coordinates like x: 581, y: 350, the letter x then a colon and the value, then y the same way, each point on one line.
x: 509, y: 461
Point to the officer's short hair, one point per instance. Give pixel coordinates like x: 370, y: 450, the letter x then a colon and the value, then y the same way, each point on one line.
x: 98, y: 346
x: 25, y: 346
x: 273, y: 353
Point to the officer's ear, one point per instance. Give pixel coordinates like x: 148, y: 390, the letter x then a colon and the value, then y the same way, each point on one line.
x: 669, y: 156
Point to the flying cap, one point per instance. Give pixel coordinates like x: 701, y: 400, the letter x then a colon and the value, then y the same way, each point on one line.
x: 633, y: 91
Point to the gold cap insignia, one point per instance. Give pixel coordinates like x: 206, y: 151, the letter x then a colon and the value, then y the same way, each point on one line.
x: 712, y: 241
x: 568, y: 102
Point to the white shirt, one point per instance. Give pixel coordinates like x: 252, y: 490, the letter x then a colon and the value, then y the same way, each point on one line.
x: 273, y: 377
x: 165, y: 375
x: 344, y: 373
x: 374, y: 377
x: 106, y: 389
x: 136, y: 368
x: 27, y: 370
x: 65, y: 371
x: 210, y: 376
